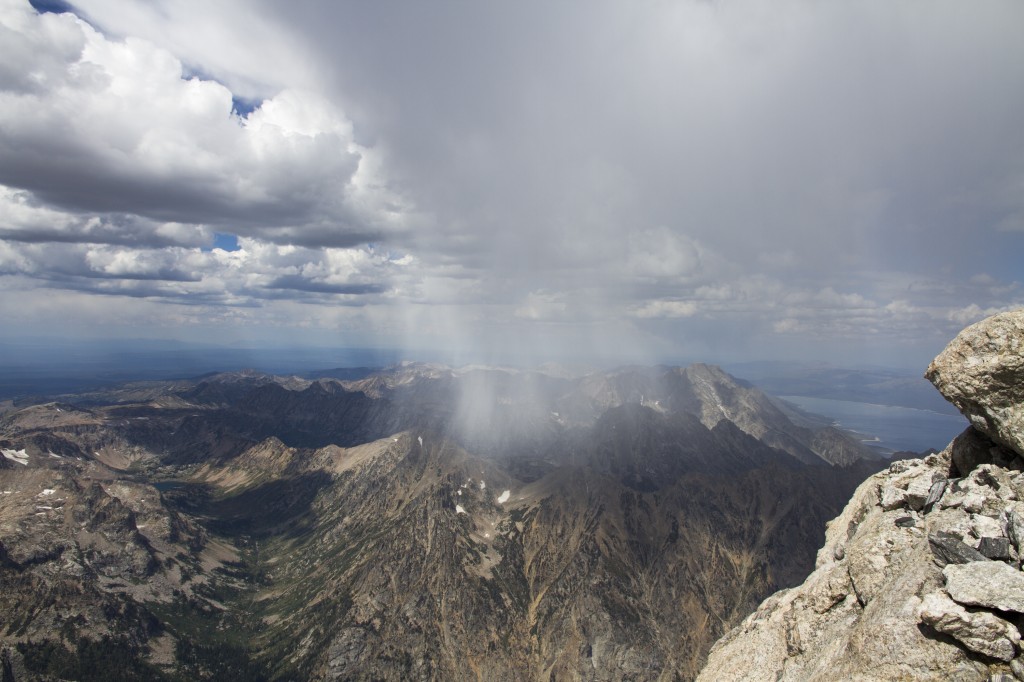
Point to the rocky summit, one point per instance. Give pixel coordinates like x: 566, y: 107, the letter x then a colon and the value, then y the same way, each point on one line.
x: 920, y: 576
x: 415, y: 523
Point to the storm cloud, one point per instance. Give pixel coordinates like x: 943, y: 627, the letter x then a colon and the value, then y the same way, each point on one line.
x: 704, y: 179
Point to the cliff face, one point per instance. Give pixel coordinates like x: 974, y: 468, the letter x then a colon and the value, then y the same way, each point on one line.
x: 919, y: 577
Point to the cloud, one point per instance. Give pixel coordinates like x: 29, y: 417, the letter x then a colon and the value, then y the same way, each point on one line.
x: 666, y: 309
x: 26, y: 219
x: 298, y: 283
x: 540, y: 305
x: 259, y: 271
x: 974, y: 313
x: 112, y: 127
x: 675, y: 178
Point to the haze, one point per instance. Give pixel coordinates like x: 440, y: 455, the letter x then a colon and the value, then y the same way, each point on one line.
x: 530, y: 181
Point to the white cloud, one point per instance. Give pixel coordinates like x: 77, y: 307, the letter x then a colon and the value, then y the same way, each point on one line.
x: 257, y: 272
x: 974, y: 313
x: 233, y: 41
x: 666, y: 309
x: 118, y: 129
x: 24, y: 218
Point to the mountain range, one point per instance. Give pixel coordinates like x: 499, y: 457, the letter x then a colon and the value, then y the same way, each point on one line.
x: 419, y: 522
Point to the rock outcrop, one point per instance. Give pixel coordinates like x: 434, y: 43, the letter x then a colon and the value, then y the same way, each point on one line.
x: 920, y: 576
x: 981, y: 372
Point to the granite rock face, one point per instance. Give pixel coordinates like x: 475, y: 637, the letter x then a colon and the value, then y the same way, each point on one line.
x: 920, y: 576
x: 982, y: 372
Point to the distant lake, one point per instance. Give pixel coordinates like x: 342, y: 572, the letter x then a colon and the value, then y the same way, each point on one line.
x: 895, y: 428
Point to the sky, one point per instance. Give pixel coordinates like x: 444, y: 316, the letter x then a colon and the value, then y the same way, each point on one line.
x: 528, y: 181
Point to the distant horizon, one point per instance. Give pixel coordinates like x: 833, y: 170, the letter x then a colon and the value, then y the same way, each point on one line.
x: 38, y: 348
x: 891, y: 408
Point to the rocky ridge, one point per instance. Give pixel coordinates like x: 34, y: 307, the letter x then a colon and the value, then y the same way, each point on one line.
x: 920, y: 576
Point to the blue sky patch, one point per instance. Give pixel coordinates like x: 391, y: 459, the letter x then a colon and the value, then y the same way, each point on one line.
x: 51, y: 6
x: 243, y: 107
x: 223, y: 240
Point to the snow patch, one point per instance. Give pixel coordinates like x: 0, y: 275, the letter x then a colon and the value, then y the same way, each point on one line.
x: 503, y: 498
x: 54, y: 456
x: 46, y: 492
x: 420, y: 439
x: 483, y: 485
x: 459, y: 509
x: 459, y: 493
x: 19, y: 456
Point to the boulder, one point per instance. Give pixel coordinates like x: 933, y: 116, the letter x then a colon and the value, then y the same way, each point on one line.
x: 918, y: 491
x: 949, y: 549
x: 991, y: 584
x: 893, y: 498
x: 984, y: 526
x: 995, y: 548
x: 981, y: 371
x: 1015, y: 528
x: 981, y: 631
x: 935, y: 494
x: 972, y: 448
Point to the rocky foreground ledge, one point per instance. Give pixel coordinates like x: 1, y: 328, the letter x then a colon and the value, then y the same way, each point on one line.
x: 920, y: 576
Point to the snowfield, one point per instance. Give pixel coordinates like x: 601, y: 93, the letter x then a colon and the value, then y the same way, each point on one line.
x: 19, y: 456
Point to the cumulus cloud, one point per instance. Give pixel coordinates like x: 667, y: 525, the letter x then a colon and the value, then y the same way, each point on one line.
x: 257, y: 271
x: 112, y: 126
x: 27, y: 219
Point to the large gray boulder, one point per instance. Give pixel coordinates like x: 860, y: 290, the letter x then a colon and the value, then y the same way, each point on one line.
x: 981, y: 371
x: 982, y: 632
x: 991, y: 584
